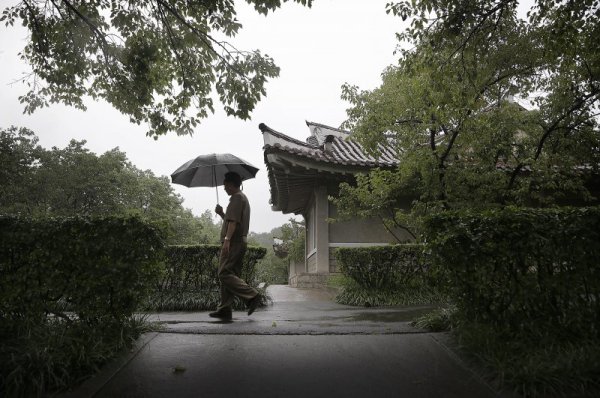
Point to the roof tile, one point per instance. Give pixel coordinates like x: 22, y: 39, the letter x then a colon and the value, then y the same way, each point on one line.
x: 343, y: 151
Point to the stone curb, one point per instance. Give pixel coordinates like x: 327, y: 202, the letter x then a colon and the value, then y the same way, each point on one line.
x: 444, y: 341
x: 93, y: 385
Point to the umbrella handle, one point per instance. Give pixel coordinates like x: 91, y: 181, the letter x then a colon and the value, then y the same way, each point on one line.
x: 215, y: 180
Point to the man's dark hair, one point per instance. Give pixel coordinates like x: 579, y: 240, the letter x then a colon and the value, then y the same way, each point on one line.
x: 233, y: 178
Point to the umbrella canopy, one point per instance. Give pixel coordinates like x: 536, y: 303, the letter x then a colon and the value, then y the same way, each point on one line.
x: 209, y: 170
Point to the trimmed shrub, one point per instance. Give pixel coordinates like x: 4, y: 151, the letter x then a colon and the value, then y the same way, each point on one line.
x: 385, y: 275
x: 526, y: 284
x: 68, y: 291
x: 523, y: 271
x: 190, y: 282
x: 382, y: 267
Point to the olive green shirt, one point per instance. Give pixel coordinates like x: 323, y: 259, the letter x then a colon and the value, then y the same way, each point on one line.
x: 237, y: 211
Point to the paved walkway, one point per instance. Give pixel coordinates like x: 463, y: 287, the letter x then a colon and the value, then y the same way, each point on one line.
x: 303, y: 345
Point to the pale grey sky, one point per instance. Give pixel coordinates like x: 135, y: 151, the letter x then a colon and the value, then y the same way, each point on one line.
x: 318, y: 49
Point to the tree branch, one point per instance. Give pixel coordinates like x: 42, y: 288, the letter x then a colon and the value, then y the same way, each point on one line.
x: 203, y: 37
x: 388, y: 229
x: 172, y: 41
x: 501, y: 77
x: 99, y: 34
x: 93, y: 28
x: 450, y: 144
x: 500, y: 6
x: 513, y: 176
x: 548, y: 131
x: 408, y: 121
x: 37, y: 27
x: 404, y: 227
x: 432, y: 142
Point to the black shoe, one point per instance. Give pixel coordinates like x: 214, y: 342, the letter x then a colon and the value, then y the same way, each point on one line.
x: 253, y: 304
x: 222, y: 314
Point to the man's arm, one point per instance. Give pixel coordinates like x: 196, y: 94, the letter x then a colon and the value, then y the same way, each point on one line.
x: 231, y: 225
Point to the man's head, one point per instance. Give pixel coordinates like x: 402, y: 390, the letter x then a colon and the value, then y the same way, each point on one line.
x: 232, y: 182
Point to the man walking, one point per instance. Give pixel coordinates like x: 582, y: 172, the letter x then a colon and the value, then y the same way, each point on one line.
x: 236, y: 221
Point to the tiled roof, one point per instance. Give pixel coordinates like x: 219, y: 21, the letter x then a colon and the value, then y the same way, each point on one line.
x: 344, y: 151
x: 312, y: 141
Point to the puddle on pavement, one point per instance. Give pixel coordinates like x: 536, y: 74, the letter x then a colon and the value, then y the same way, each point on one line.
x: 404, y: 315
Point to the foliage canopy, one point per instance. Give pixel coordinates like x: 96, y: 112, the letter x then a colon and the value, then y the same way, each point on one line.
x: 484, y: 108
x: 156, y: 61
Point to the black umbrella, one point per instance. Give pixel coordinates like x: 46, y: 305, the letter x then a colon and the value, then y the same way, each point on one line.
x: 209, y: 170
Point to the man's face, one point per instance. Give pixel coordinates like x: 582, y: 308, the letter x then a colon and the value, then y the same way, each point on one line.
x: 229, y: 187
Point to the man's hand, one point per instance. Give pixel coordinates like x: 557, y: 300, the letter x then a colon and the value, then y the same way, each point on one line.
x: 219, y: 211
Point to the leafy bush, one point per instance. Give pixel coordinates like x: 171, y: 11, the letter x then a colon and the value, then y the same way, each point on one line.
x: 439, y: 320
x: 385, y: 276
x: 524, y: 271
x: 190, y: 282
x: 273, y: 270
x: 526, y: 284
x: 68, y: 291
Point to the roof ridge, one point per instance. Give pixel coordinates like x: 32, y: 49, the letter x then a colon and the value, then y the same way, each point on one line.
x: 327, y: 127
x: 264, y: 128
x: 343, y: 152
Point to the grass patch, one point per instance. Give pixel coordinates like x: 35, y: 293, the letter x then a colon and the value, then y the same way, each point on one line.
x: 439, y: 320
x: 534, y: 367
x: 351, y: 293
x: 206, y: 300
x: 183, y: 301
x: 41, y: 358
x: 530, y: 366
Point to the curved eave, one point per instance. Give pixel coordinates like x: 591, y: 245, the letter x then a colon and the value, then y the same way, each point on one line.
x: 295, y: 167
x: 292, y: 178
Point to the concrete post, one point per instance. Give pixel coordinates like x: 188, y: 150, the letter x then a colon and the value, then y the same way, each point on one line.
x: 322, y: 229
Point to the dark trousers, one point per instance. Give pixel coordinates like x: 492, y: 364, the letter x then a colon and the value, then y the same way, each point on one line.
x: 232, y: 285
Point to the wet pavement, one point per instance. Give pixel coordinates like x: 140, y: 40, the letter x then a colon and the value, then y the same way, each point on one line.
x: 289, y: 318
x: 303, y: 345
x: 297, y: 312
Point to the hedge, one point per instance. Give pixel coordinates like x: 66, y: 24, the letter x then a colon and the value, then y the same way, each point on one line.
x: 68, y: 292
x: 385, y: 275
x: 189, y: 280
x: 523, y: 272
x: 382, y: 267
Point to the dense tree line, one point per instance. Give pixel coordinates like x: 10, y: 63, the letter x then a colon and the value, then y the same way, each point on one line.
x: 284, y: 244
x: 70, y: 181
x: 38, y: 182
